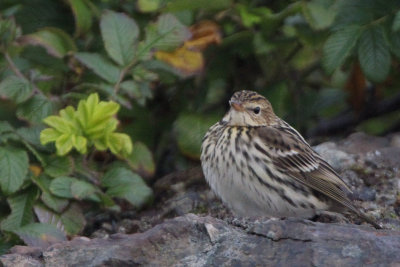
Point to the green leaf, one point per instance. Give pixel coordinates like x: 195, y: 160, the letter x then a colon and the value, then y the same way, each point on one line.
x: 68, y: 187
x: 119, y: 34
x: 355, y: 12
x: 100, y: 65
x: 147, y: 6
x: 82, y: 189
x: 180, y: 5
x: 141, y: 160
x: 31, y: 134
x: 40, y: 235
x: 320, y: 14
x: 167, y: 34
x: 396, y: 22
x: 373, y: 54
x: 82, y: 16
x: 73, y: 220
x: 64, y: 144
x: 339, y: 46
x: 58, y: 166
x: 21, y: 210
x: 15, y: 88
x: 5, y: 127
x: 13, y: 169
x: 36, y: 109
x: 131, y: 88
x: 123, y: 183
x: 57, y: 42
x: 55, y: 203
x: 61, y: 186
x: 190, y: 130
x: 45, y: 215
x: 120, y: 143
x: 394, y: 40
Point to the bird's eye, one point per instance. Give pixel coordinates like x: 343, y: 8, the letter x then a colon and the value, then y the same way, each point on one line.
x: 256, y: 110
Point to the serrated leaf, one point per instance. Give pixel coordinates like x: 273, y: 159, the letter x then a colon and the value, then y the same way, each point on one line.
x: 56, y: 42
x: 166, y: 34
x: 339, y: 46
x: 15, y: 88
x: 120, y: 143
x: 64, y: 144
x: 82, y: 16
x: 119, y: 34
x: 141, y: 160
x: 123, y: 183
x: 13, y: 169
x: 60, y: 124
x: 55, y: 203
x: 190, y: 130
x: 31, y: 134
x: 40, y: 235
x: 82, y: 189
x: 131, y: 88
x: 44, y: 215
x: 36, y: 109
x: 355, y: 12
x: 373, y: 54
x: 73, y: 220
x: 61, y: 186
x: 21, y: 210
x: 100, y: 65
x: 58, y: 166
x: 5, y: 127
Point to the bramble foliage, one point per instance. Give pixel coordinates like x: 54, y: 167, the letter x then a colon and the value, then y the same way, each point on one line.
x: 91, y: 123
x: 102, y: 73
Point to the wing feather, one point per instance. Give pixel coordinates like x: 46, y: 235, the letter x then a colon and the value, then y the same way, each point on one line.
x: 293, y: 156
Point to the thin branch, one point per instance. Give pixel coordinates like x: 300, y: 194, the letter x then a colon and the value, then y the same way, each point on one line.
x: 13, y: 67
x: 351, y: 119
x: 19, y: 74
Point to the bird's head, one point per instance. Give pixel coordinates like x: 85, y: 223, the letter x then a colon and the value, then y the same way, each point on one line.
x: 249, y: 108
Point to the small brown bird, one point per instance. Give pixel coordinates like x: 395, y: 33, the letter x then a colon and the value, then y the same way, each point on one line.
x: 260, y: 166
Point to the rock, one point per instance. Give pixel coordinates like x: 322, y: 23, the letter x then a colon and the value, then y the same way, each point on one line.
x: 191, y: 240
x: 337, y: 158
x: 365, y: 194
x: 157, y: 237
x: 362, y: 143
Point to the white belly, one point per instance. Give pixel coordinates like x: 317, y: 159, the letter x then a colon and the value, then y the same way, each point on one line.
x: 248, y: 190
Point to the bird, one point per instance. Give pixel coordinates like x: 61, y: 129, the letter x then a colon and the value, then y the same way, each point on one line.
x: 259, y: 165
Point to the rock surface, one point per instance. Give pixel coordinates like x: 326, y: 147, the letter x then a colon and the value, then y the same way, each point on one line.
x: 169, y: 234
x: 191, y: 240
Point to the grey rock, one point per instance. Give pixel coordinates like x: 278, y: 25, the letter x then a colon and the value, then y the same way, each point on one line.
x: 337, y: 158
x: 192, y: 240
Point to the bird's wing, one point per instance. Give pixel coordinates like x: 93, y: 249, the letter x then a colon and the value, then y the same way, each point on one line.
x: 293, y: 156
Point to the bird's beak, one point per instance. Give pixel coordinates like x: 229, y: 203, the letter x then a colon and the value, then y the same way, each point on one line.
x: 236, y: 105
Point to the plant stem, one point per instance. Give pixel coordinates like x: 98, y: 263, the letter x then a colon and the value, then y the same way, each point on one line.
x: 19, y: 74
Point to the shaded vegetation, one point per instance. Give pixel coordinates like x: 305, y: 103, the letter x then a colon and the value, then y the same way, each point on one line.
x: 168, y: 68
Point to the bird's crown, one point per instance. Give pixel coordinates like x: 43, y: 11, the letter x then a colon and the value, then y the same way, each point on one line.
x: 247, y: 96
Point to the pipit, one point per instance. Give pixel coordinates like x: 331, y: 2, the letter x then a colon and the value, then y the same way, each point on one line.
x: 260, y: 166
